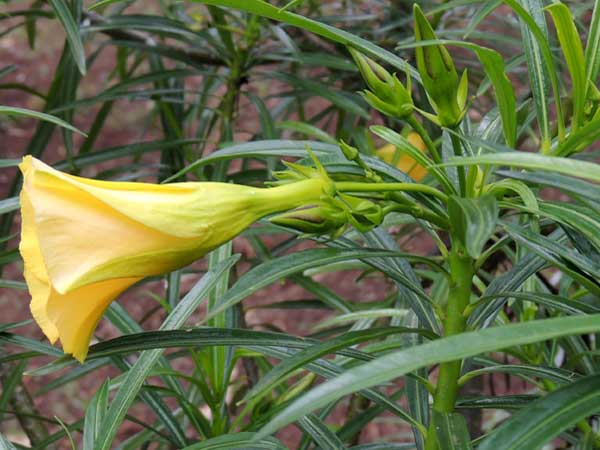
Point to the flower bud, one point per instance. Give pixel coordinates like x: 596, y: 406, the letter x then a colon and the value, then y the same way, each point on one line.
x: 350, y: 152
x: 387, y: 94
x: 438, y: 74
x: 321, y: 219
x: 362, y: 213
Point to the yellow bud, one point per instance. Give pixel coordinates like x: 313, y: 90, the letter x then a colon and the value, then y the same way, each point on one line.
x: 405, y: 162
x: 83, y: 241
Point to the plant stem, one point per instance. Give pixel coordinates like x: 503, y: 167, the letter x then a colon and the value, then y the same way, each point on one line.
x: 416, y: 125
x: 351, y: 186
x: 419, y: 212
x: 457, y: 146
x: 461, y: 272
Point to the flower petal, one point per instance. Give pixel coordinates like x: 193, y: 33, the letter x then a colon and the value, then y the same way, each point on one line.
x: 82, y: 240
x: 90, y: 231
x: 35, y: 270
x: 76, y: 314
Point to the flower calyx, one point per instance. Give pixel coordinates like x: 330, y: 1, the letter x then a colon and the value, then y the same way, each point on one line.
x: 447, y: 95
x: 386, y: 93
x: 332, y: 216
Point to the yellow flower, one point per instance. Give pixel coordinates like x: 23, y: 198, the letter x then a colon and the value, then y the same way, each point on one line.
x: 83, y: 241
x: 405, y: 162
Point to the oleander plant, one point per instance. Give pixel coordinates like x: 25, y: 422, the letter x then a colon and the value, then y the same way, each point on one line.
x: 361, y: 225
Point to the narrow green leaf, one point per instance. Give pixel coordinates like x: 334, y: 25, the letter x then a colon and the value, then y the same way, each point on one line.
x: 473, y: 221
x: 307, y: 129
x: 9, y: 204
x: 568, y: 166
x: 589, y: 270
x: 321, y: 434
x: 241, y: 441
x: 451, y: 348
x: 570, y: 185
x: 570, y: 44
x: 592, y: 48
x: 530, y: 264
x: 275, y: 269
x: 523, y: 371
x: 546, y: 418
x: 71, y: 28
x: 94, y: 414
x: 137, y: 374
x: 581, y: 218
x: 13, y: 111
x: 282, y: 371
x: 264, y: 9
x: 580, y: 139
x: 548, y: 59
x: 537, y: 70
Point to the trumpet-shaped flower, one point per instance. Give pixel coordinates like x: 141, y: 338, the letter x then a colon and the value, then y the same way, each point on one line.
x: 405, y: 162
x: 85, y: 241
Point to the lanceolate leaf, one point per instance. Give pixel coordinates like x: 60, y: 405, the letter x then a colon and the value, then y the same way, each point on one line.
x: 325, y: 438
x: 142, y: 367
x: 484, y: 315
x: 473, y: 221
x: 13, y: 111
x: 461, y: 346
x: 94, y: 414
x: 547, y: 417
x: 573, y: 52
x: 580, y: 139
x: 592, y: 48
x: 75, y: 44
x: 538, y: 71
x: 265, y: 9
x: 282, y: 371
x: 548, y: 59
x: 570, y: 185
x: 278, y: 268
x: 241, y: 441
x: 568, y: 166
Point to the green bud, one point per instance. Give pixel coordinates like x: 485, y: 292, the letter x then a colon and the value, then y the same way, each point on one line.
x: 438, y: 74
x: 363, y: 213
x: 351, y: 153
x: 387, y: 94
x: 317, y: 220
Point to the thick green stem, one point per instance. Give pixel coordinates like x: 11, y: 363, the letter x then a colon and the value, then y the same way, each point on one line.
x: 461, y: 271
x: 419, y: 212
x: 457, y: 146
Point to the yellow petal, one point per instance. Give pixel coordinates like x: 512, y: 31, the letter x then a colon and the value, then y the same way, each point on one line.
x: 71, y: 318
x: 91, y: 231
x: 405, y: 162
x: 76, y: 314
x: 35, y: 270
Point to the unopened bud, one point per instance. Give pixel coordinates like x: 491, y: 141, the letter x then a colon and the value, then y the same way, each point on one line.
x: 322, y: 219
x: 363, y: 213
x: 387, y: 94
x: 439, y: 75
